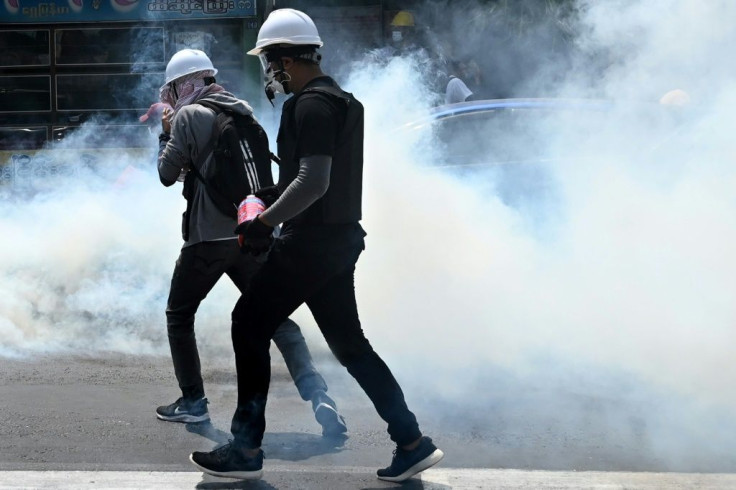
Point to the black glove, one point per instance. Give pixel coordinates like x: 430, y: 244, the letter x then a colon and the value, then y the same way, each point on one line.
x: 268, y: 195
x: 254, y: 236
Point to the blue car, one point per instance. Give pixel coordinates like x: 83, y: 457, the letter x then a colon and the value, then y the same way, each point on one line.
x: 513, y: 146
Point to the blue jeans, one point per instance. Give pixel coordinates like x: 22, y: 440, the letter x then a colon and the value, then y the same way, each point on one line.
x: 313, y: 265
x: 197, y: 270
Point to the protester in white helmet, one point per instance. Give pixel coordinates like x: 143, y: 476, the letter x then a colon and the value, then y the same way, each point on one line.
x: 313, y: 261
x: 210, y: 246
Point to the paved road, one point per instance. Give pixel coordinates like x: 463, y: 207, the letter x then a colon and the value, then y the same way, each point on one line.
x: 94, y: 415
x: 321, y: 478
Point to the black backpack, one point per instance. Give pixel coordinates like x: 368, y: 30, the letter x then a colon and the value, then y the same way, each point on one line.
x: 241, y: 163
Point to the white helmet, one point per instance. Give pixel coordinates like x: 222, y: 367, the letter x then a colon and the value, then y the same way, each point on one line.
x: 289, y: 27
x: 185, y: 62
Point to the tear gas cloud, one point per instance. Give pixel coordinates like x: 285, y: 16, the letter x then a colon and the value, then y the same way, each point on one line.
x: 90, y: 241
x: 625, y: 280
x: 80, y: 256
x: 634, y: 272
x: 620, y: 287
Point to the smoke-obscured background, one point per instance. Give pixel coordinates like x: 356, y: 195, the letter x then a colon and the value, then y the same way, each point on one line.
x: 606, y: 314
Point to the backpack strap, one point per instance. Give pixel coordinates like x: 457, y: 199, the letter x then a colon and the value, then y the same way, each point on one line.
x: 219, y: 122
x: 194, y: 169
x: 210, y: 144
x: 331, y: 90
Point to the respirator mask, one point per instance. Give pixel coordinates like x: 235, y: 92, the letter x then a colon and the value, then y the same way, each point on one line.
x: 276, y: 81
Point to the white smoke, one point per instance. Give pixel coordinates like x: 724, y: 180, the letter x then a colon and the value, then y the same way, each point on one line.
x: 628, y: 286
x: 627, y: 294
x: 83, y: 256
x: 634, y: 264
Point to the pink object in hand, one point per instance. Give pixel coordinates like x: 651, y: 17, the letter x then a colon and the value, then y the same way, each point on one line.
x: 250, y: 208
x: 156, y: 110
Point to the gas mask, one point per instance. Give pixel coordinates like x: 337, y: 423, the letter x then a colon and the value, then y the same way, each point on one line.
x: 275, y: 86
x: 276, y: 81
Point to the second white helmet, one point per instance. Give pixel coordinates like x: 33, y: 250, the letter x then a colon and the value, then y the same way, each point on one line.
x: 188, y: 61
x: 286, y: 27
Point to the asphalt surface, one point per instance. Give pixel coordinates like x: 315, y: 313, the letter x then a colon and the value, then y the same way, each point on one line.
x: 96, y: 414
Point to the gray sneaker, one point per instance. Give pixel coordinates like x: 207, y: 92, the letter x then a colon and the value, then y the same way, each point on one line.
x: 184, y: 410
x: 325, y: 411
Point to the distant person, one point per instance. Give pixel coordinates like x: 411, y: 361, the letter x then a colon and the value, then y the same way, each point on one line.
x: 461, y: 75
x: 457, y: 91
x: 407, y: 40
x: 403, y: 31
x: 403, y: 39
x: 210, y: 247
x: 313, y: 261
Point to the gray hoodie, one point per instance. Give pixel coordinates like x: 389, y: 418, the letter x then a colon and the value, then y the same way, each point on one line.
x: 190, y: 131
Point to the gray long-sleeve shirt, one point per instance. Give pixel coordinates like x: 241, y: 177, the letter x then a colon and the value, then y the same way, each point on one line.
x: 309, y: 185
x: 190, y: 131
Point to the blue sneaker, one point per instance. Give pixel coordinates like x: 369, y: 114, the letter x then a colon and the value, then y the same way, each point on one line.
x: 406, y: 464
x: 184, y: 410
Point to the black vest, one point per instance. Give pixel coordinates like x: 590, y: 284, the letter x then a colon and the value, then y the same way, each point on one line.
x: 342, y: 201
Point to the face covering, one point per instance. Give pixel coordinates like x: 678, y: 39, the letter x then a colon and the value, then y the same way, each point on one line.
x: 187, y: 89
x: 273, y: 85
x: 277, y: 81
x: 166, y: 95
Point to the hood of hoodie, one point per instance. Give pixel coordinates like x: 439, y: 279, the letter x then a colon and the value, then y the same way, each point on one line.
x: 229, y: 102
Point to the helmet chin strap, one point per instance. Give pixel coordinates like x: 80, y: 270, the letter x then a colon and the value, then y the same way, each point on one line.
x: 274, y: 85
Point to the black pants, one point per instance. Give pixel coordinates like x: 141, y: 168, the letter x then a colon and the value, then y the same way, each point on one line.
x: 198, y: 269
x: 312, y: 265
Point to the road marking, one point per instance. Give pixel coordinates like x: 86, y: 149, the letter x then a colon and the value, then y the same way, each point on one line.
x: 439, y: 478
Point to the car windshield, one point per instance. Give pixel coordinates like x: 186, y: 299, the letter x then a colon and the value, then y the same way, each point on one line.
x: 523, y: 131
x: 500, y: 136
x: 513, y: 146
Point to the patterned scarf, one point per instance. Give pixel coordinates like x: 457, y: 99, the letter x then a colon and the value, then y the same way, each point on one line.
x: 189, y: 89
